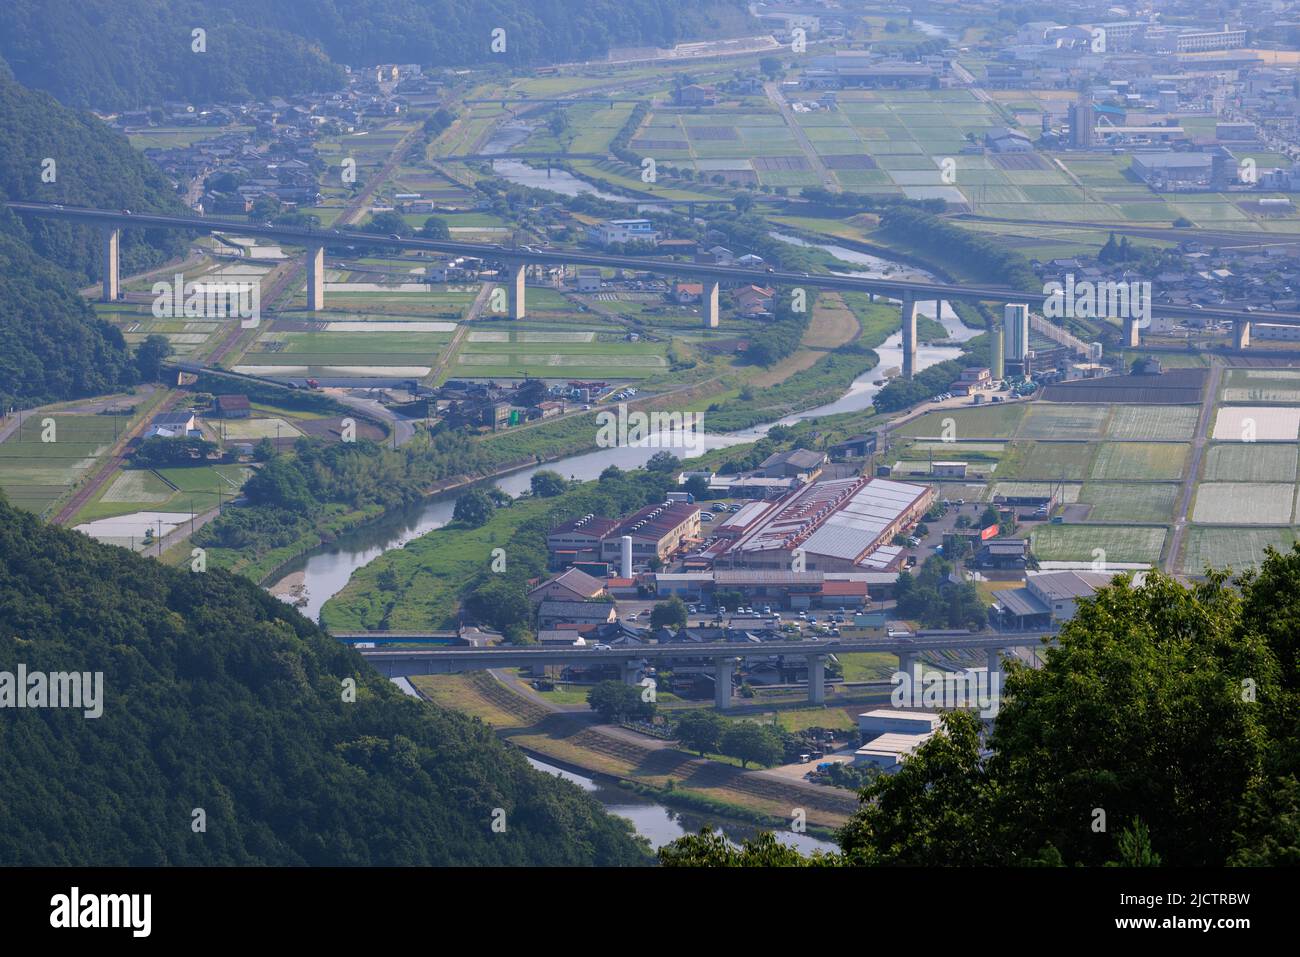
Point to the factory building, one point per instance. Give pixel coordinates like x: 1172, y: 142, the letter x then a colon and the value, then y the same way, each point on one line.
x: 832, y: 526
x: 657, y: 532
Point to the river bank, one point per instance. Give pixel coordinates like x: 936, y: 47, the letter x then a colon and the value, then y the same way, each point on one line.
x: 648, y: 768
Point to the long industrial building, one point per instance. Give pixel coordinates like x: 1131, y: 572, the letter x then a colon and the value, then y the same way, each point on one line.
x: 827, y: 526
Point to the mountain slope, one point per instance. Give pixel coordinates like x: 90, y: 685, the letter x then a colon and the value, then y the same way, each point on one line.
x: 51, y: 345
x: 132, y: 53
x: 218, y: 696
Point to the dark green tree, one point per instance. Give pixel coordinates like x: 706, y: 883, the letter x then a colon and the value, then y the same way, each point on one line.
x: 474, y: 508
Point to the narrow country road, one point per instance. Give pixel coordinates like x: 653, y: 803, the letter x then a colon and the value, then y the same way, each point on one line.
x: 792, y: 123
x: 1203, y: 424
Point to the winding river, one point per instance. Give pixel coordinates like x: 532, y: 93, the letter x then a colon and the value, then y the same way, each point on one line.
x: 326, y: 570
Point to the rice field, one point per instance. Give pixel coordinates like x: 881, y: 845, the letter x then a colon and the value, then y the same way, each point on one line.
x: 1240, y: 549
x: 988, y: 422
x: 236, y: 430
x: 1048, y: 460
x: 1067, y: 493
x: 1246, y: 423
x: 50, y: 453
x: 1079, y: 543
x: 1261, y: 385
x: 1045, y: 421
x: 1139, y: 503
x: 1243, y: 503
x: 1140, y: 460
x: 1153, y: 422
x: 557, y: 354
x: 1250, y: 462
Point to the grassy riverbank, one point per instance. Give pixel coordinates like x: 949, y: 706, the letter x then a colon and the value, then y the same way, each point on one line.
x: 650, y: 768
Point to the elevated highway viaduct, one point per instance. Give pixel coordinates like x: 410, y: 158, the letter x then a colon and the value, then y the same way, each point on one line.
x: 516, y: 261
x: 399, y: 662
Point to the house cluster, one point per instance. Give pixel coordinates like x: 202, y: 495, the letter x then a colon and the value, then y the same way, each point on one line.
x: 268, y: 149
x: 1260, y: 279
x: 574, y: 608
x: 1046, y: 53
x: 488, y: 405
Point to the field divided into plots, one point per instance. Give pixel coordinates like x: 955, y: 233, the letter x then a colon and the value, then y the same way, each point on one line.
x: 48, y: 454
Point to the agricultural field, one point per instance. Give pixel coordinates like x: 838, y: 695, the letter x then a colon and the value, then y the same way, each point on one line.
x: 585, y: 348
x: 1174, y: 423
x: 1148, y: 502
x: 1240, y: 549
x: 1250, y: 462
x: 382, y: 348
x: 1140, y: 460
x: 35, y: 472
x: 196, y: 488
x: 1078, y: 543
x: 1047, y: 460
x: 1065, y: 421
x: 986, y: 422
x: 1243, y: 503
x: 1246, y: 423
x: 1261, y: 385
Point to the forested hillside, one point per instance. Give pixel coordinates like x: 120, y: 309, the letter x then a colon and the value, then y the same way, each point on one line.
x: 130, y: 53
x: 217, y: 696
x: 51, y: 345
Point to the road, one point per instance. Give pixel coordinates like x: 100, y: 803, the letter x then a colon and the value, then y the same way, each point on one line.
x: 403, y: 428
x: 893, y: 288
x: 968, y: 78
x: 773, y: 91
x: 115, y: 462
x: 1203, y: 425
x: 181, y: 532
x: 476, y: 308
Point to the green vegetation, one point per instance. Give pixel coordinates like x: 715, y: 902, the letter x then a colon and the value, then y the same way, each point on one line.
x: 121, y: 53
x: 295, y: 499
x: 438, y: 573
x: 931, y: 598
x: 615, y: 701
x: 52, y: 346
x: 217, y: 696
x: 1144, y: 684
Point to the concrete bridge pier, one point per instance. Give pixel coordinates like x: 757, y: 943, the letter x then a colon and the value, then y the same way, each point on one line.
x: 516, y: 274
x: 112, y: 244
x: 631, y: 672
x: 1241, y: 333
x: 909, y: 337
x: 709, y: 303
x: 724, y: 669
x: 316, y: 278
x: 994, y: 656
x: 906, y: 661
x: 817, y: 679
x: 1132, y: 333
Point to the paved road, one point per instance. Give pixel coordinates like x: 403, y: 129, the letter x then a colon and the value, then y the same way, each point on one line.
x: 403, y: 428
x: 774, y: 94
x: 181, y: 532
x: 1203, y: 425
